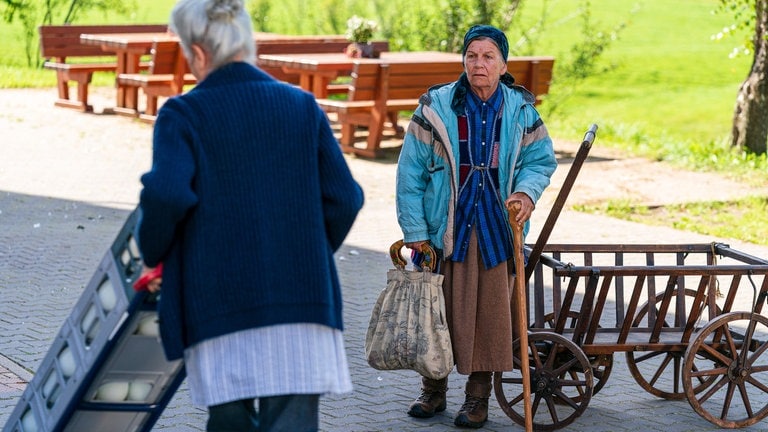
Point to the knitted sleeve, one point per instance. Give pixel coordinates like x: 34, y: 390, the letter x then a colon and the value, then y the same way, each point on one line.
x: 167, y: 193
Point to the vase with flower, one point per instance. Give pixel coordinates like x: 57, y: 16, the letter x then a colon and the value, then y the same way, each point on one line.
x: 360, y: 31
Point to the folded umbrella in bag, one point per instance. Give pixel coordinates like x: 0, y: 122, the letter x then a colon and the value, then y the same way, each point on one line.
x: 408, y: 329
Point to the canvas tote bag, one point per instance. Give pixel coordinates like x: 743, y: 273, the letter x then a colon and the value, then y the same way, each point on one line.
x: 408, y: 329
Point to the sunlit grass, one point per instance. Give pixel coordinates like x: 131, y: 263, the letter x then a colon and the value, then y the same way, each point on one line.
x: 745, y: 219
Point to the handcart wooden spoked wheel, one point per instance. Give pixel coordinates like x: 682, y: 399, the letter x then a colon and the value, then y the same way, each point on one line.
x: 561, y: 382
x: 602, y: 364
x: 660, y: 372
x: 729, y: 351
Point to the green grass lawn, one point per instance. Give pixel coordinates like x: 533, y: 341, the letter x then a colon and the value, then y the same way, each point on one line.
x: 670, y: 79
x: 14, y: 72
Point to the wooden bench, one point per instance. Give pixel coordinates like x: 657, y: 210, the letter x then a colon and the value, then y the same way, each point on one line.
x: 167, y: 75
x: 533, y: 73
x: 308, y: 45
x: 73, y: 61
x: 380, y: 91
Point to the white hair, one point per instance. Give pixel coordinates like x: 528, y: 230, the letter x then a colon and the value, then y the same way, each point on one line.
x: 221, y: 27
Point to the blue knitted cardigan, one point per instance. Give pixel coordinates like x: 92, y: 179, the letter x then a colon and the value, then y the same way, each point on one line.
x: 247, y: 199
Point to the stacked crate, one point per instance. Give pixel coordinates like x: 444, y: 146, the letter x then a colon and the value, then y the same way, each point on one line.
x: 106, y: 370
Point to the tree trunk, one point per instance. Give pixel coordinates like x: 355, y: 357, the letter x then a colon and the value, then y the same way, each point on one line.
x: 750, y: 118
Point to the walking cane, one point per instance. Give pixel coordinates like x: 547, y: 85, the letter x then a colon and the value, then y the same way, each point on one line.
x: 520, y: 320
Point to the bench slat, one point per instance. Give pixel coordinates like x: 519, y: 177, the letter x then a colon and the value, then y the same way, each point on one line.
x: 93, y: 67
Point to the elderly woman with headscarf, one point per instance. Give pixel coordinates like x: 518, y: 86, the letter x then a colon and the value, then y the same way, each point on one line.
x: 471, y: 147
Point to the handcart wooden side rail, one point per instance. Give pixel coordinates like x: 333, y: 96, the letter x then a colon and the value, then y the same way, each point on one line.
x: 688, y: 318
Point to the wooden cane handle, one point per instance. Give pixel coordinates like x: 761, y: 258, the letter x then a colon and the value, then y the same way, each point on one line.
x: 514, y: 207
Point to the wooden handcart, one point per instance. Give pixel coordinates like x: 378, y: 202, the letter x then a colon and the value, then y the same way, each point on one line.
x: 688, y: 318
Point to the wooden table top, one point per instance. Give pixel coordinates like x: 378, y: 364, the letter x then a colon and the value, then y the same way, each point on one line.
x: 340, y: 61
x: 145, y: 40
x: 125, y: 40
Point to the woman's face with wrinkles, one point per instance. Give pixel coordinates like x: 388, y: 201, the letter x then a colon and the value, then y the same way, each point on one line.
x: 484, y: 66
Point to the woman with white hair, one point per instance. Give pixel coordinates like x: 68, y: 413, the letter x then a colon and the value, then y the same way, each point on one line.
x: 247, y: 199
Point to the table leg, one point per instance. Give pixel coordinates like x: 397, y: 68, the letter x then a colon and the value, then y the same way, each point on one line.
x: 128, y: 96
x: 305, y: 81
x: 320, y: 86
x: 122, y: 64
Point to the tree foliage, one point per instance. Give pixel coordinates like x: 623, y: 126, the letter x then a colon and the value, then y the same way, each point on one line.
x: 33, y: 13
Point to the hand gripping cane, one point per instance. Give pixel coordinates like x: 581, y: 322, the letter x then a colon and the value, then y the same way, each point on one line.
x: 519, y: 320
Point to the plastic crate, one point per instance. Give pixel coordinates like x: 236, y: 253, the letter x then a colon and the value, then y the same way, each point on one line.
x: 106, y: 369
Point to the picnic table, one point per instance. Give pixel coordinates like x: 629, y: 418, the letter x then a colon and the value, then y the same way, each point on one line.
x: 131, y: 47
x: 60, y: 44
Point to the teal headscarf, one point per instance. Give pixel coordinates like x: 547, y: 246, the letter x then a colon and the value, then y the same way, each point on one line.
x: 496, y: 35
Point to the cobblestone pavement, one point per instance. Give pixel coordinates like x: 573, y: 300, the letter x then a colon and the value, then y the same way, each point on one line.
x: 68, y: 181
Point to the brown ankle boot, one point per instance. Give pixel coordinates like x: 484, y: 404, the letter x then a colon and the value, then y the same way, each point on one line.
x: 474, y: 411
x: 431, y: 400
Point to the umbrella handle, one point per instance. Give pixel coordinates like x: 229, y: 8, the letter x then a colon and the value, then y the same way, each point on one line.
x: 430, y: 257
x: 142, y: 283
x: 519, y: 319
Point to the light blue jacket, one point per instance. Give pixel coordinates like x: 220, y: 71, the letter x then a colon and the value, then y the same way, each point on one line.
x: 428, y: 170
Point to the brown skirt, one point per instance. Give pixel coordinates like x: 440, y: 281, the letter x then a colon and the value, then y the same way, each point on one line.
x: 478, y: 304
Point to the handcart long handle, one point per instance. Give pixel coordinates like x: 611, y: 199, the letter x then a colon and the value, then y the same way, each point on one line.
x: 557, y: 207
x: 520, y: 318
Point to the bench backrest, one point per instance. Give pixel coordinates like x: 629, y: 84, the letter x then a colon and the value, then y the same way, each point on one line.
x: 373, y: 81
x: 61, y: 41
x: 166, y: 55
x: 168, y: 58
x: 411, y: 80
x: 533, y: 73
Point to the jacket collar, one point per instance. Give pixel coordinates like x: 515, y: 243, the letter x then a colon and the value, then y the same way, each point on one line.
x: 458, y: 103
x: 234, y: 72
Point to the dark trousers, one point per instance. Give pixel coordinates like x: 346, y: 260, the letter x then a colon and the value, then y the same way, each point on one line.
x: 289, y: 413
